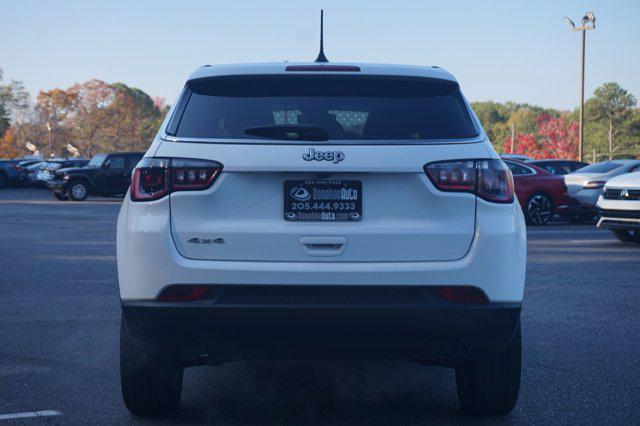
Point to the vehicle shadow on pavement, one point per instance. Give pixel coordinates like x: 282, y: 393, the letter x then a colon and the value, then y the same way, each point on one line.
x: 366, y: 391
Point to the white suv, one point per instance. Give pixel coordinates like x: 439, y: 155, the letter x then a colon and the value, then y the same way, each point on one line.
x: 619, y: 207
x: 321, y: 211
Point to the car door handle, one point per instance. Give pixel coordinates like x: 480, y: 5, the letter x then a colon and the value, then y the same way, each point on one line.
x: 323, y: 246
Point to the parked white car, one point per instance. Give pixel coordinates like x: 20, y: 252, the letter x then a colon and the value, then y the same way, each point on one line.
x: 318, y: 210
x: 619, y: 207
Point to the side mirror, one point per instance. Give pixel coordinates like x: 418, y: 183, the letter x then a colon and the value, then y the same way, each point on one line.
x: 106, y: 165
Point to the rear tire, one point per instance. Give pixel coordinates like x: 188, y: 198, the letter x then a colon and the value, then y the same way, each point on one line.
x: 151, y: 384
x: 539, y: 209
x: 489, y: 384
x: 78, y: 191
x: 60, y: 196
x: 626, y: 236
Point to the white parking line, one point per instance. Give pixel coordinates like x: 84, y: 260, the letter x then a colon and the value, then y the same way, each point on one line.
x: 29, y: 414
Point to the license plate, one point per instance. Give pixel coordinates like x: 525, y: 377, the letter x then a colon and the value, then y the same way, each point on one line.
x: 323, y: 200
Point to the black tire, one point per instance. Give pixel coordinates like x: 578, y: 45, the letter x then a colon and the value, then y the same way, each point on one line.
x: 3, y: 180
x: 60, y: 196
x: 627, y: 236
x: 78, y: 190
x: 489, y: 384
x: 539, y: 209
x: 151, y: 384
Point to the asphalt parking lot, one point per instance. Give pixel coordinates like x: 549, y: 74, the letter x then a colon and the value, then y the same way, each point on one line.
x: 59, y: 322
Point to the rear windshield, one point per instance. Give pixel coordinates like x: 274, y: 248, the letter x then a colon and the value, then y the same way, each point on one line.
x: 344, y: 108
x: 605, y: 167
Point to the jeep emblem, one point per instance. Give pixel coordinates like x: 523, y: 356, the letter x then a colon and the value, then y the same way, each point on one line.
x: 335, y: 156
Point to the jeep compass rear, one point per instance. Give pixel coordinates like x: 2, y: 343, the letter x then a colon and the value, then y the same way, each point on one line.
x: 321, y: 211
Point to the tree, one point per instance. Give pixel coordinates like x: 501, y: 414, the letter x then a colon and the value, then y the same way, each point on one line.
x: 55, y: 108
x: 135, y: 118
x: 13, y: 97
x: 558, y: 138
x: 493, y: 117
x: 8, y: 149
x: 91, y: 114
x: 526, y: 144
x: 612, y: 104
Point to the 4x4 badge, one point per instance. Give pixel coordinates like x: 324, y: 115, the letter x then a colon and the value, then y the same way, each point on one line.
x: 335, y: 156
x: 197, y: 240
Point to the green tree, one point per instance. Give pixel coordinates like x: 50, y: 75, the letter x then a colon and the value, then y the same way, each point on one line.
x: 135, y: 118
x: 493, y: 116
x: 13, y: 97
x: 611, y: 105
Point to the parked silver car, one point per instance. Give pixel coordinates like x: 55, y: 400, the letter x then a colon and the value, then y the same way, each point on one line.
x: 585, y: 185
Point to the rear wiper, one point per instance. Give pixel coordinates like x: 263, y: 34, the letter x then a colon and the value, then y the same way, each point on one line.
x: 290, y: 132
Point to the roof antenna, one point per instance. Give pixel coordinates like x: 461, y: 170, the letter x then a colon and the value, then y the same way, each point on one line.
x: 321, y: 57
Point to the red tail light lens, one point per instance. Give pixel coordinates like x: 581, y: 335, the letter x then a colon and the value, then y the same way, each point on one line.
x: 462, y: 294
x: 183, y: 293
x: 453, y: 175
x: 490, y: 180
x: 153, y: 178
x: 495, y: 181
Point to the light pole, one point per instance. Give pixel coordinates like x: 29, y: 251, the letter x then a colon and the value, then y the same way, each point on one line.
x: 49, y: 130
x: 588, y: 18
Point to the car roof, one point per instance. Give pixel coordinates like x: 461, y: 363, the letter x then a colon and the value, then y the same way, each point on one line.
x: 120, y: 153
x: 622, y: 161
x: 553, y: 160
x: 64, y: 160
x: 275, y: 68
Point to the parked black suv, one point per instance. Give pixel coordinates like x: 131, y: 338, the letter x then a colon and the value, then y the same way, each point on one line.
x: 105, y: 175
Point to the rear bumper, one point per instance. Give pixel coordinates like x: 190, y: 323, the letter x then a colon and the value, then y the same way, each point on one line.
x: 584, y: 201
x: 404, y: 323
x: 148, y: 260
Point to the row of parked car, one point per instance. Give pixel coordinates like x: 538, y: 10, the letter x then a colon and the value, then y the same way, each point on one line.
x: 578, y: 191
x: 574, y: 190
x: 73, y: 178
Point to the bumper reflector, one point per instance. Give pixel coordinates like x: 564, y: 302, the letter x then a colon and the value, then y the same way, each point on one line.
x: 183, y: 293
x: 463, y: 294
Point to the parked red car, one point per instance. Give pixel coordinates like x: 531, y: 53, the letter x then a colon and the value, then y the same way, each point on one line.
x: 541, y: 194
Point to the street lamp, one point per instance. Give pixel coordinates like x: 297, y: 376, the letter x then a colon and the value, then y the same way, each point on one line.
x: 588, y: 23
x: 49, y: 130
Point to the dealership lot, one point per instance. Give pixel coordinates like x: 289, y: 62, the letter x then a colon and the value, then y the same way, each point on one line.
x: 59, y: 316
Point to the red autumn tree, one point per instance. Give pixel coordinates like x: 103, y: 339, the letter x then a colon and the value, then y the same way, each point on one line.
x: 558, y: 138
x: 526, y: 144
x: 554, y: 138
x: 8, y: 148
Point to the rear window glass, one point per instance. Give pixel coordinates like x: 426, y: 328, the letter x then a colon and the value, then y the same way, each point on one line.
x: 347, y: 108
x: 556, y: 168
x: 605, y: 167
x: 518, y: 169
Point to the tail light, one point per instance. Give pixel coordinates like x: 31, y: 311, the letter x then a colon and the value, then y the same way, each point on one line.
x: 490, y: 180
x: 153, y: 178
x: 594, y: 184
x: 462, y: 294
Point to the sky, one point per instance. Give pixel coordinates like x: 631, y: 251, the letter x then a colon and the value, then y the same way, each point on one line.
x: 514, y: 50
